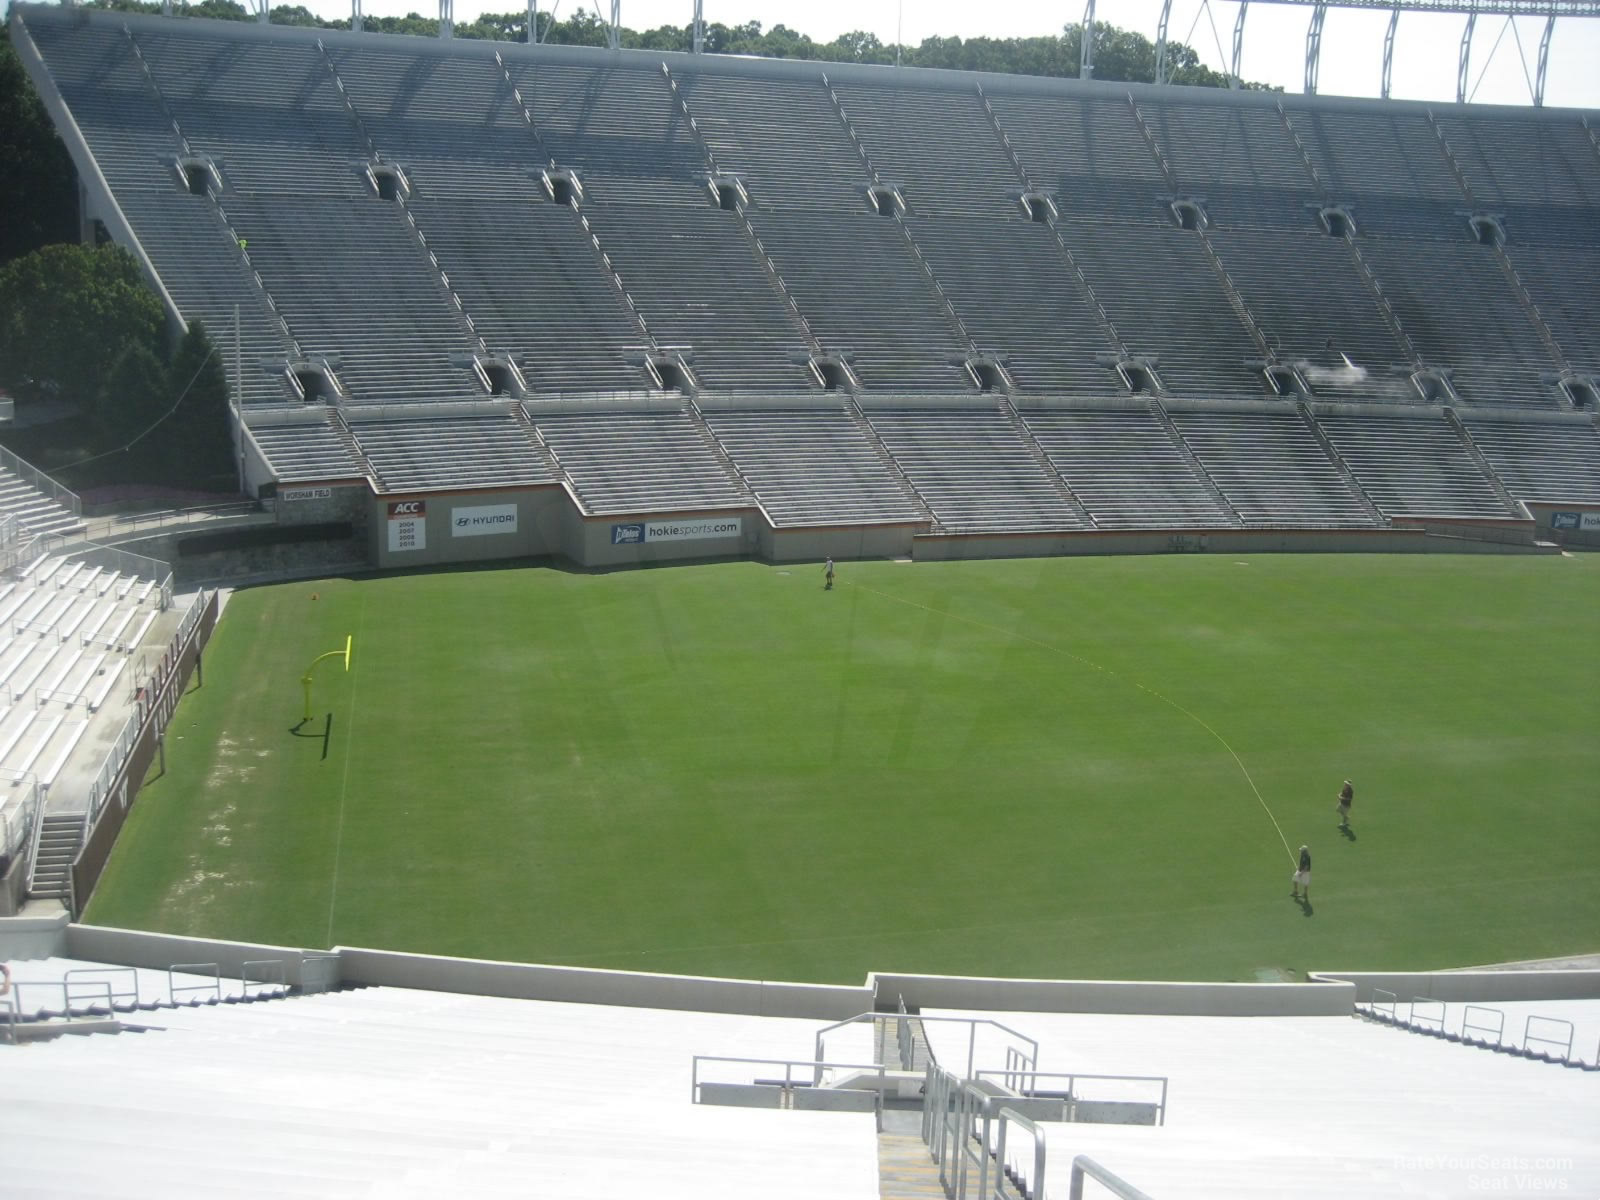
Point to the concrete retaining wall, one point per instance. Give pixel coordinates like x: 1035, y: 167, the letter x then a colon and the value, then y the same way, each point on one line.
x: 1334, y: 998
x: 1470, y: 987
x: 158, y: 951
x: 1454, y: 540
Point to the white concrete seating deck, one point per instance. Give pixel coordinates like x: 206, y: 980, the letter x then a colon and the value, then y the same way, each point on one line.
x: 534, y: 289
x: 634, y: 462
x: 618, y: 127
x: 1412, y: 464
x: 973, y: 470
x: 1160, y: 290
x: 306, y: 450
x: 866, y: 297
x: 451, y: 452
x: 811, y: 164
x: 352, y: 282
x: 1222, y: 148
x: 935, y: 145
x: 1512, y: 1024
x: 812, y: 467
x: 1564, y: 282
x: 1541, y: 460
x: 54, y: 987
x: 1087, y: 152
x: 1367, y: 157
x: 1508, y: 159
x: 698, y: 283
x: 1125, y: 468
x: 414, y: 1094
x: 1453, y: 300
x: 1271, y: 468
x: 1304, y: 290
x: 36, y: 512
x: 1015, y: 292
x: 1319, y: 1108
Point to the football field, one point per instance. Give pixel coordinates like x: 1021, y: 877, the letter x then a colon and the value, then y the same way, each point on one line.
x: 1064, y: 768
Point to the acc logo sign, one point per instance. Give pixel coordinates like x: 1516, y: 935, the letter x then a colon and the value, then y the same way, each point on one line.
x: 407, y: 508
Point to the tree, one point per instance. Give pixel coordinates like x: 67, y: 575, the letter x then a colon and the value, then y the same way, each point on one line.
x: 194, y: 445
x: 38, y: 185
x: 66, y: 314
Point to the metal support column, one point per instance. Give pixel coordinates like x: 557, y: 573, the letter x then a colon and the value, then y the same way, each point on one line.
x: 447, y: 18
x: 533, y: 22
x: 356, y: 23
x: 614, y: 30
x: 1464, y: 68
x: 1086, y: 54
x: 1161, y: 41
x: 1544, y: 61
x: 699, y: 26
x: 1238, y: 46
x: 263, y: 11
x: 1314, y: 46
x: 1388, y: 52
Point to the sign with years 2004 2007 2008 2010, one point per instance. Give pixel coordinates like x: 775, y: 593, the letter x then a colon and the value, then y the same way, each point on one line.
x: 408, y: 522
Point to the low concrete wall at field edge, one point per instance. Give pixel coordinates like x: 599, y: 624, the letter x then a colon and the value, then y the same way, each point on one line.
x: 1470, y: 987
x: 580, y: 985
x: 1513, y: 538
x: 158, y: 951
x: 1167, y: 999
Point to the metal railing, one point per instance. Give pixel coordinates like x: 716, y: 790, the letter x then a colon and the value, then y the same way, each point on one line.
x: 1529, y: 1037
x: 41, y: 482
x: 1471, y: 1023
x: 9, y: 1015
x: 1071, y: 1094
x: 174, y: 987
x: 18, y: 819
x: 1431, y: 1019
x: 267, y: 978
x: 117, y: 524
x: 1084, y: 1167
x: 1026, y: 1171
x: 1480, y: 1026
x: 793, y: 1070
x: 96, y: 978
x: 125, y: 562
x: 1018, y: 1058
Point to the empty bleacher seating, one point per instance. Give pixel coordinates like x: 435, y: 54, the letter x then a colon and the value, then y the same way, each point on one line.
x: 1557, y: 461
x: 451, y: 452
x: 1412, y: 464
x: 629, y: 462
x: 306, y: 450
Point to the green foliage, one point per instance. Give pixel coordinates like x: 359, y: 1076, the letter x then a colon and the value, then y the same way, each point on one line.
x: 38, y: 190
x: 67, y: 312
x: 194, y: 446
x: 966, y: 768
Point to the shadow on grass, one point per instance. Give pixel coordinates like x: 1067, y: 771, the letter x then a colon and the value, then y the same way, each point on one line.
x: 325, y: 736
x: 1348, y: 834
x: 1305, y: 905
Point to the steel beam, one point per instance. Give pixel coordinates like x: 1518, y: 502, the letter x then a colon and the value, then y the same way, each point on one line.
x: 533, y: 22
x: 1464, y: 67
x: 1314, y: 46
x: 699, y: 26
x: 1238, y: 45
x: 1493, y: 8
x: 1544, y: 61
x: 1161, y: 41
x: 1388, y: 52
x: 447, y: 18
x: 1086, y: 44
x: 614, y: 30
x: 356, y: 22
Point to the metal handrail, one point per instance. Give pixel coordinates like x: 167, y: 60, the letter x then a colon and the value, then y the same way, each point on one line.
x: 1377, y: 1006
x: 1529, y: 1036
x: 1084, y: 1166
x: 972, y: 1023
x: 111, y: 993
x: 1073, y: 1076
x: 788, y: 1065
x: 174, y: 987
x: 1467, y: 1022
x: 1429, y: 1018
x: 41, y: 482
x: 1031, y: 1185
x: 9, y: 1015
x: 282, y: 981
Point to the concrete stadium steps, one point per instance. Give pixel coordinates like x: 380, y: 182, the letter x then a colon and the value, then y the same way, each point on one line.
x: 640, y: 462
x: 58, y: 846
x: 936, y: 146
x: 618, y: 128
x: 781, y: 137
x: 1457, y: 307
x: 1125, y: 468
x: 905, y: 1169
x: 867, y: 298
x: 1535, y: 460
x: 973, y: 471
x: 36, y: 512
x: 48, y: 989
x: 1161, y: 292
x: 812, y: 467
x: 352, y: 283
x: 702, y: 292
x: 1391, y: 153
x: 1413, y: 465
x: 1016, y: 293
x: 450, y: 452
x: 536, y: 290
x: 1565, y: 283
x: 1510, y: 159
x: 306, y: 450
x: 521, y: 1098
x: 1271, y: 468
x: 1230, y: 146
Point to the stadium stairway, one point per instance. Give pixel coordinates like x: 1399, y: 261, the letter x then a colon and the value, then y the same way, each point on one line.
x: 58, y: 846
x: 905, y: 1171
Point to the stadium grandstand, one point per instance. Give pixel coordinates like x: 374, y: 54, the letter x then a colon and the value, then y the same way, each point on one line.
x: 491, y: 301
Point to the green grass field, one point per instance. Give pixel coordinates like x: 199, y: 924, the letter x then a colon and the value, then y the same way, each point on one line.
x: 968, y: 768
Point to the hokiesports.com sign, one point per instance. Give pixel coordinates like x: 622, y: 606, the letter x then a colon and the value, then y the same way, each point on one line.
x: 1588, y: 522
x: 693, y: 530
x: 483, y: 519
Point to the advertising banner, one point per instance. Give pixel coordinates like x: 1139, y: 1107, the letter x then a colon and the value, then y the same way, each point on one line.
x: 483, y: 519
x: 408, y: 525
x: 693, y: 529
x: 293, y: 494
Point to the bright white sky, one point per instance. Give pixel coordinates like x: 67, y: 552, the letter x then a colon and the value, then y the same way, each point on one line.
x: 1426, y: 49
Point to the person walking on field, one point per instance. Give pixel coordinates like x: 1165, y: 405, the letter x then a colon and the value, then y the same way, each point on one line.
x: 1347, y: 795
x: 1300, y: 885
x: 827, y: 575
